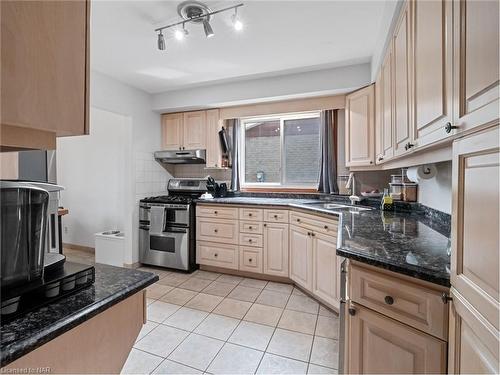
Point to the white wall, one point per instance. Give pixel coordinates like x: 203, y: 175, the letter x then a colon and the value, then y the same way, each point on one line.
x: 436, y: 193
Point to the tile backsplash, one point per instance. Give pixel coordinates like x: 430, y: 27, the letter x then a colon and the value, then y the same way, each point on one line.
x: 199, y: 171
x: 150, y: 177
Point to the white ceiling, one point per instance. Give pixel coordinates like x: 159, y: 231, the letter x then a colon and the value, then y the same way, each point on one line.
x: 279, y: 37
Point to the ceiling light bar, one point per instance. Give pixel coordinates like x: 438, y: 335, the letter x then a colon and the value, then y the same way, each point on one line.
x: 204, y: 16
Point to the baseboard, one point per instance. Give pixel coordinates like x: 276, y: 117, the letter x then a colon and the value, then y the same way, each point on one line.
x: 79, y: 247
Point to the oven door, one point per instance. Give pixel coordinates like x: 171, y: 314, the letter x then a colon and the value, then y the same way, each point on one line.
x: 167, y: 249
x: 177, y: 215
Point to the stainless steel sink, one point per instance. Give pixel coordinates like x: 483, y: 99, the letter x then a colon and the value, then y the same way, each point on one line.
x: 338, y: 206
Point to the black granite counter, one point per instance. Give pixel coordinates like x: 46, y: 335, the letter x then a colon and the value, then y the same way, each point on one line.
x: 412, y: 240
x: 112, y: 285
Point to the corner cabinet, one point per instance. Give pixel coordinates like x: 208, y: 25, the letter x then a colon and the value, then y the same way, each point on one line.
x: 45, y: 71
x: 474, y: 328
x: 360, y: 128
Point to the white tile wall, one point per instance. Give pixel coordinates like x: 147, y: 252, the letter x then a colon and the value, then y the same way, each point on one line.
x: 150, y: 177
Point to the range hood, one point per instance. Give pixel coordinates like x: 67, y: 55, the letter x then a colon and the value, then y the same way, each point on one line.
x: 181, y: 157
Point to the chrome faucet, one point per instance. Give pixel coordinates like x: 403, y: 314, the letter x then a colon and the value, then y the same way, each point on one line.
x: 351, y: 184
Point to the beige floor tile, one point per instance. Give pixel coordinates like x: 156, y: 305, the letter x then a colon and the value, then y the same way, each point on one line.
x: 174, y: 279
x: 301, y: 303
x: 156, y: 291
x: 186, y: 318
x: 206, y: 275
x: 315, y: 369
x: 244, y: 293
x: 161, y: 273
x: 263, y: 314
x: 195, y: 284
x: 325, y: 352
x: 196, y: 351
x: 205, y: 302
x: 219, y: 289
x: 178, y: 296
x: 230, y: 279
x: 162, y: 340
x: 234, y: 359
x: 298, y: 292
x: 324, y: 311
x: 158, y: 311
x: 327, y: 327
x: 298, y: 321
x: 170, y: 367
x: 146, y: 328
x: 217, y: 326
x: 149, y: 301
x: 253, y: 335
x: 254, y: 283
x: 274, y: 364
x: 272, y: 298
x: 291, y: 344
x: 279, y: 287
x: 139, y: 362
x: 233, y: 308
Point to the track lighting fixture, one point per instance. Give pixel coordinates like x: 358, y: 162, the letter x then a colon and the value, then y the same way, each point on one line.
x: 193, y: 11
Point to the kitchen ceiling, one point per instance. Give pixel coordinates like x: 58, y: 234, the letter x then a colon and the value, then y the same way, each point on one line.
x: 279, y: 37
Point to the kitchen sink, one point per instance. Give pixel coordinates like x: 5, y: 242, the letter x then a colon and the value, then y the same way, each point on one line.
x: 337, y: 206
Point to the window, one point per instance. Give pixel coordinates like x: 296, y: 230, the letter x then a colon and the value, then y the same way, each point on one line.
x: 281, y: 151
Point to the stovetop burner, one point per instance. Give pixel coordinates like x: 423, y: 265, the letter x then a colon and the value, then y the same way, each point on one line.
x: 182, y: 199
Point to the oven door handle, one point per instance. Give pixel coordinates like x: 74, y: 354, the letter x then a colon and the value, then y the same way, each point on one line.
x: 144, y: 227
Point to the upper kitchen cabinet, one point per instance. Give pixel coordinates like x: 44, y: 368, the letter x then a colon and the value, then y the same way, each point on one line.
x: 476, y: 60
x: 45, y: 71
x: 432, y: 71
x: 214, y: 154
x: 172, y: 131
x: 386, y: 130
x: 194, y: 130
x: 401, y: 77
x: 360, y: 128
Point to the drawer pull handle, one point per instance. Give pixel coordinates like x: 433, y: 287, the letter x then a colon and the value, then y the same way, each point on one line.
x: 352, y: 311
x: 326, y: 227
x: 449, y: 127
x: 389, y: 300
x: 216, y: 230
x: 445, y: 297
x: 215, y: 255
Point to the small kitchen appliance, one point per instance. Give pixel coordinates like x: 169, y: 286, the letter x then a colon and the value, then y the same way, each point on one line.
x: 167, y: 225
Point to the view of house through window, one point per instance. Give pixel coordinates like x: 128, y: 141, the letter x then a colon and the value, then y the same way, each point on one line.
x: 281, y: 150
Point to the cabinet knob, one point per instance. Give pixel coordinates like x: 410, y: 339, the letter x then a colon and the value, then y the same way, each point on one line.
x: 352, y: 311
x: 445, y: 297
x: 249, y: 240
x: 250, y: 227
x: 275, y: 216
x: 380, y: 158
x: 326, y: 227
x: 298, y: 220
x: 215, y: 212
x: 183, y: 148
x: 313, y: 234
x: 371, y: 162
x: 250, y: 260
x: 389, y: 300
x: 308, y: 233
x: 448, y: 127
x: 265, y: 224
x: 250, y: 214
x: 216, y: 230
x: 408, y: 146
x: 215, y: 255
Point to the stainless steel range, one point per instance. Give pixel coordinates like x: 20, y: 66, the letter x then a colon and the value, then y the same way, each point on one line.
x: 167, y: 225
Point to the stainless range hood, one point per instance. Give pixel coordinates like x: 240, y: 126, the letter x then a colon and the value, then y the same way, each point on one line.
x: 181, y: 157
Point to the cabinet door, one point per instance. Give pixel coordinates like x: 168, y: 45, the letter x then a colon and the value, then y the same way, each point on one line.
x: 276, y: 249
x: 325, y: 269
x: 475, y: 222
x: 194, y: 130
x: 387, y: 117
x: 360, y: 128
x: 214, y: 153
x: 378, y: 119
x: 301, y: 257
x: 476, y: 61
x: 380, y: 345
x: 432, y: 70
x: 171, y: 128
x: 401, y: 77
x: 44, y: 59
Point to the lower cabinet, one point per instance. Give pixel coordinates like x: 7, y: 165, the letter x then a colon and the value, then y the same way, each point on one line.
x: 217, y: 254
x: 301, y: 257
x: 326, y: 268
x: 276, y: 249
x: 251, y: 259
x: 378, y: 344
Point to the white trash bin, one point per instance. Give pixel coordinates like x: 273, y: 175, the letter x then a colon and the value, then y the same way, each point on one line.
x: 110, y: 247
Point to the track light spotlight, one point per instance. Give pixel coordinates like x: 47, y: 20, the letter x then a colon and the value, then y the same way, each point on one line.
x: 237, y: 24
x: 161, y: 41
x: 208, y: 29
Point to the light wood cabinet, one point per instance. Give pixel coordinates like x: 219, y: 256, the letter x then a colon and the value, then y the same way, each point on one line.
x: 172, y: 131
x: 401, y: 76
x: 45, y: 71
x: 276, y: 249
x: 217, y: 230
x: 378, y: 344
x: 214, y: 153
x: 360, y: 128
x: 217, y: 254
x: 301, y: 257
x: 219, y: 212
x: 386, y: 129
x: 432, y: 78
x: 326, y: 269
x: 251, y: 259
x: 194, y: 130
x: 378, y: 119
x: 476, y: 62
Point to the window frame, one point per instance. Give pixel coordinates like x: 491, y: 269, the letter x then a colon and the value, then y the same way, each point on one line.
x: 282, y: 185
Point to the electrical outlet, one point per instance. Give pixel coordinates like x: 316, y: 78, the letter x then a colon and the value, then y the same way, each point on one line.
x: 66, y: 230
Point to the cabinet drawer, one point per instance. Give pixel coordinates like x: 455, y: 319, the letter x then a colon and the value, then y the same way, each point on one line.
x: 276, y: 216
x: 217, y: 212
x: 217, y: 254
x: 315, y: 223
x: 250, y: 259
x: 255, y: 214
x: 412, y: 304
x: 254, y: 240
x: 217, y: 230
x: 250, y: 227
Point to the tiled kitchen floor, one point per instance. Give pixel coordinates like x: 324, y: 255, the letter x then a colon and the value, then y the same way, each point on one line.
x: 207, y: 322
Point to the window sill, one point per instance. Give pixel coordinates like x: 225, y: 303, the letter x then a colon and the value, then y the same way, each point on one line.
x: 278, y: 190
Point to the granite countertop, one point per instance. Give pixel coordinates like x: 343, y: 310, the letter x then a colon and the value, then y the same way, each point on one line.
x: 411, y: 242
x: 28, y: 332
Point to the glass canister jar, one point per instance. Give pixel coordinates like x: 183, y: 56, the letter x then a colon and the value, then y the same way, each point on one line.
x: 409, y: 192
